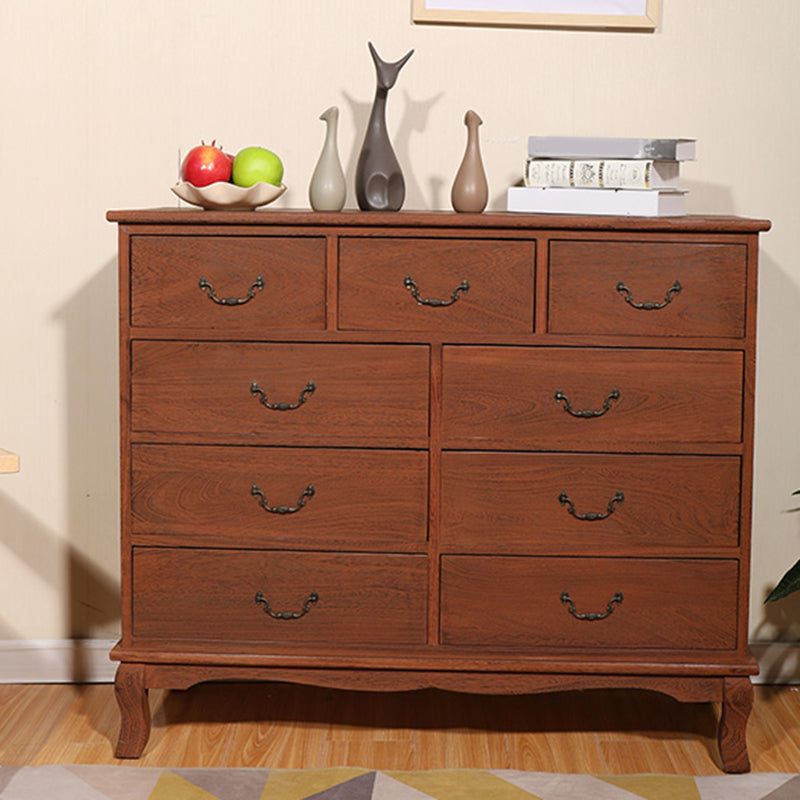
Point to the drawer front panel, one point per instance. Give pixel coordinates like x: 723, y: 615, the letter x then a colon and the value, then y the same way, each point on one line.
x: 281, y: 497
x: 517, y: 602
x: 647, y: 288
x: 210, y: 595
x: 343, y: 394
x: 521, y: 398
x: 285, y: 276
x: 375, y: 294
x: 551, y: 503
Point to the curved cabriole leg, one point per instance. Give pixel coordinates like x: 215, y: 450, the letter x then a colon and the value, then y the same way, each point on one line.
x: 737, y: 702
x: 134, y: 709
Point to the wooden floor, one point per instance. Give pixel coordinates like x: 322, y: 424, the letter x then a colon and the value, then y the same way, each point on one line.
x: 284, y: 726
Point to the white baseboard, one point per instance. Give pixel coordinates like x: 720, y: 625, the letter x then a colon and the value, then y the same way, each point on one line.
x: 87, y: 661
x: 56, y: 661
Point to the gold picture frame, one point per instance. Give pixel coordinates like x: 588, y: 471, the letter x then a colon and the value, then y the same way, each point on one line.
x: 639, y: 15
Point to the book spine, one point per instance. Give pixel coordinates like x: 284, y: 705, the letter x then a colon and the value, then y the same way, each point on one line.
x: 590, y: 174
x: 541, y: 173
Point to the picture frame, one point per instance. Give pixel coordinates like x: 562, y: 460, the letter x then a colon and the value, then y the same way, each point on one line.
x: 639, y: 15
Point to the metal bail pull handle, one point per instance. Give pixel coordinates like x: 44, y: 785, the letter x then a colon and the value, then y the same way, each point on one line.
x: 591, y: 516
x: 259, y: 393
x: 305, y: 496
x: 671, y: 294
x: 613, y: 396
x: 257, y: 286
x: 311, y: 600
x: 412, y: 287
x: 591, y: 616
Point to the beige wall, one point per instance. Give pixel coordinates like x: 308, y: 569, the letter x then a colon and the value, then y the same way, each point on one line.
x: 97, y: 97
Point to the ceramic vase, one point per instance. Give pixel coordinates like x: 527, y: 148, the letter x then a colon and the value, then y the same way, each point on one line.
x: 328, y: 190
x: 470, y: 191
x: 380, y: 185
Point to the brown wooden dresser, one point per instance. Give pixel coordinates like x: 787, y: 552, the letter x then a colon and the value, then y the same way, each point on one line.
x: 489, y: 453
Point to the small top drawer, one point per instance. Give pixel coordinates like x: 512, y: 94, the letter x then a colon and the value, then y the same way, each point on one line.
x: 436, y: 284
x: 236, y: 281
x: 647, y: 288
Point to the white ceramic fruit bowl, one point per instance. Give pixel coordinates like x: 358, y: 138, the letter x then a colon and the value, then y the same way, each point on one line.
x: 228, y: 196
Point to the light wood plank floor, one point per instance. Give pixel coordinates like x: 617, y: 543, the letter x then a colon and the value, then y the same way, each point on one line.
x: 284, y: 726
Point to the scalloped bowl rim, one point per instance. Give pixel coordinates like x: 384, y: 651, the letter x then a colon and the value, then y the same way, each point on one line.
x: 221, y: 195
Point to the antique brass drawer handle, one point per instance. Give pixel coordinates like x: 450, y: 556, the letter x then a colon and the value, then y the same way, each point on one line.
x: 672, y: 292
x: 305, y: 496
x: 412, y: 287
x: 258, y: 392
x: 310, y: 601
x: 257, y: 286
x: 560, y: 397
x: 591, y: 616
x: 591, y: 516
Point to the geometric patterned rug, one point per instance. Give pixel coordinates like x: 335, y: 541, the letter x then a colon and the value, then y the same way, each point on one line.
x: 79, y: 782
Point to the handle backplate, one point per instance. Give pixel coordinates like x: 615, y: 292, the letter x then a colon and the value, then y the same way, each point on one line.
x: 613, y: 396
x: 670, y: 295
x: 257, y: 286
x: 259, y: 393
x: 590, y: 616
x: 311, y: 600
x: 591, y: 516
x: 412, y: 287
x: 305, y: 496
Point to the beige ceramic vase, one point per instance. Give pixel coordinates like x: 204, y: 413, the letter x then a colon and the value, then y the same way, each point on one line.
x: 470, y: 191
x: 328, y: 190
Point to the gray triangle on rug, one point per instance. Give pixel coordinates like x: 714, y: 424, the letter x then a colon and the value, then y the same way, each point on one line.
x: 358, y: 788
x: 239, y: 783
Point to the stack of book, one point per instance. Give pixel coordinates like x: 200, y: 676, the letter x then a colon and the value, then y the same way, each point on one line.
x: 602, y: 175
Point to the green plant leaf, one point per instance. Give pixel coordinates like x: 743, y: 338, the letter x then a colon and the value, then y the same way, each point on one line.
x: 789, y: 583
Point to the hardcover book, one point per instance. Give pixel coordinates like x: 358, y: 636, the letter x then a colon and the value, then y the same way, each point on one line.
x: 605, y: 174
x: 591, y: 147
x: 625, y: 202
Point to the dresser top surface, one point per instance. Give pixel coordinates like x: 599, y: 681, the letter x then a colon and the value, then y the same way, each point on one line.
x: 436, y: 219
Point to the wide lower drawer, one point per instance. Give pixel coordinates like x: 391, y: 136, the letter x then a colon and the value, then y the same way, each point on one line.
x: 248, y: 282
x: 257, y: 596
x: 588, y: 503
x: 280, y: 497
x: 436, y: 284
x: 282, y: 393
x: 589, y: 602
x: 647, y: 288
x: 524, y: 398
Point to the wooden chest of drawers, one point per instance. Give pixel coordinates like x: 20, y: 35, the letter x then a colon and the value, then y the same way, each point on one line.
x: 487, y: 453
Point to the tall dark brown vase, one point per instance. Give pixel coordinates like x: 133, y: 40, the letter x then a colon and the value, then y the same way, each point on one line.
x: 380, y: 185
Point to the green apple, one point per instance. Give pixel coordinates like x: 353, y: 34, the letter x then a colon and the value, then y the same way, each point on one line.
x: 256, y: 164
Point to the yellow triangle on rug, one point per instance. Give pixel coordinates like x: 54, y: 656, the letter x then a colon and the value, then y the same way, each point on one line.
x: 299, y: 784
x: 481, y: 783
x: 173, y: 787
